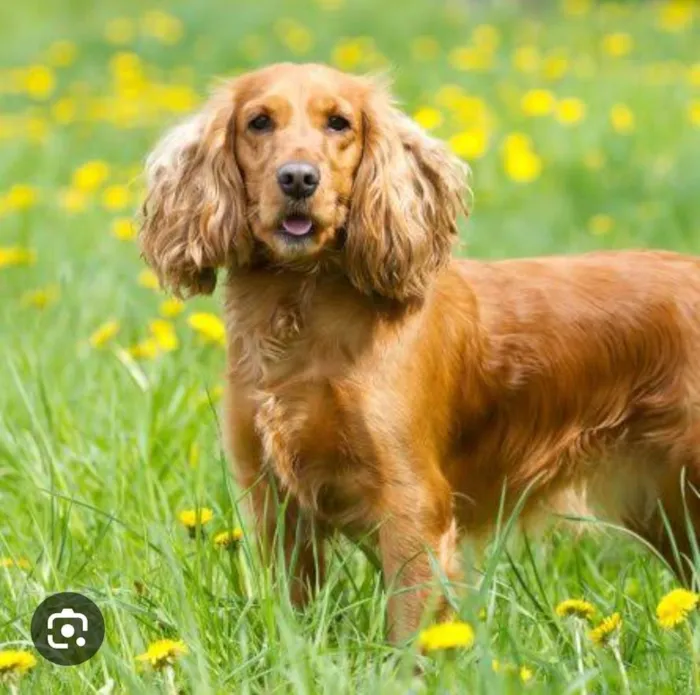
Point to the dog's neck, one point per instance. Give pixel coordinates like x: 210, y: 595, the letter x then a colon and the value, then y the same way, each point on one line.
x: 283, y: 322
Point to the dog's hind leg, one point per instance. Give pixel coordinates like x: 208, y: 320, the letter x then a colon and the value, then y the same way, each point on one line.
x: 673, y: 525
x: 656, y: 495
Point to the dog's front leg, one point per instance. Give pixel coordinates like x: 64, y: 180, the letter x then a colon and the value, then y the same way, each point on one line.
x: 284, y: 531
x: 414, y: 542
x: 291, y: 540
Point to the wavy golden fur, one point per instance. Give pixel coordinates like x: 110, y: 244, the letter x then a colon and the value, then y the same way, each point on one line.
x: 383, y: 385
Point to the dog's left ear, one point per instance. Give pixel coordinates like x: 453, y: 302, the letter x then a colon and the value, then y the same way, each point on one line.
x: 408, y: 192
x: 193, y: 220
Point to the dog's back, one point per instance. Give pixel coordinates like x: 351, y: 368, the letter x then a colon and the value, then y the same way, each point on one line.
x: 591, y: 379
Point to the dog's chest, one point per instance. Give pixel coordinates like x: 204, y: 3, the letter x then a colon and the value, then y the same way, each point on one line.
x: 312, y: 444
x: 302, y: 371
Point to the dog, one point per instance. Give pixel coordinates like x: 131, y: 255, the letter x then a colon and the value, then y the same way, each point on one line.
x: 379, y: 386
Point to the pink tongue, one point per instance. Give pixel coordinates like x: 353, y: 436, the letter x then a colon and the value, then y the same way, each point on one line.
x: 298, y: 226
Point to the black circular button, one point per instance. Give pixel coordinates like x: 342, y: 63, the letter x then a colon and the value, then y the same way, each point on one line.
x: 67, y: 629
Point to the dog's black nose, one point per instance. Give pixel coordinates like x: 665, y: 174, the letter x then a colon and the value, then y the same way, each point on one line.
x: 298, y: 179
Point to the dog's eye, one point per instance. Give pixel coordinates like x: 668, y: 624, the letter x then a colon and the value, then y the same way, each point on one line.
x: 261, y: 123
x: 338, y: 123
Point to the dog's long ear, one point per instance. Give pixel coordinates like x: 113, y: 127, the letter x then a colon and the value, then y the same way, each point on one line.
x: 408, y: 192
x: 193, y: 219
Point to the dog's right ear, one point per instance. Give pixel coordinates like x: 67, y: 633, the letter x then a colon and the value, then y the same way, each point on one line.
x: 193, y: 218
x: 408, y: 193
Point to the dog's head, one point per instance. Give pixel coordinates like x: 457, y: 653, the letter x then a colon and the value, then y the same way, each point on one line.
x: 302, y: 161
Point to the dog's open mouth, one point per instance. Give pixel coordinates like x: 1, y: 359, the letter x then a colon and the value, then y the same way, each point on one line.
x: 297, y: 226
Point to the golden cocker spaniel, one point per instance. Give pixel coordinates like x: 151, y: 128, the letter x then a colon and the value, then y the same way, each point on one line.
x: 383, y: 385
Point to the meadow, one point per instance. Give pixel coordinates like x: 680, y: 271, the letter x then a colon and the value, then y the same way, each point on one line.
x: 581, y: 122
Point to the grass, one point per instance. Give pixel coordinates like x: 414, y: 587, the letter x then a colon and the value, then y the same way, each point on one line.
x: 100, y: 450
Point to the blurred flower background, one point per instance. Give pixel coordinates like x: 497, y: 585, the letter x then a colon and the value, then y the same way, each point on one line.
x: 581, y: 123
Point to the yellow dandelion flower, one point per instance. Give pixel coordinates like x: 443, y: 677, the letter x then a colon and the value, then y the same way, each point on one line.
x: 469, y: 144
x: 675, y: 15
x: 622, y: 119
x: 191, y: 518
x: 472, y: 112
x: 14, y: 664
x: 527, y: 59
x: 694, y: 112
x: 39, y: 82
x: 538, y: 102
x: 64, y: 110
x: 145, y: 350
x: 20, y: 563
x: 162, y: 26
x: 41, y: 298
x: 606, y: 629
x: 570, y: 111
x: 171, y: 307
x: 486, y: 36
x: 126, y: 68
x: 148, y: 279
x: 514, y: 141
x: 120, y: 31
x: 123, y: 229
x: 16, y: 255
x: 104, y: 334
x: 21, y: 196
x: 449, y: 95
x: 574, y: 607
x: 72, y: 200
x: 617, y: 45
x: 520, y: 162
x: 90, y: 175
x: 228, y: 539
x: 295, y: 36
x: 425, y: 48
x: 694, y: 74
x: 164, y: 652
x: 62, y: 53
x: 348, y: 54
x: 576, y: 8
x: 115, y: 197
x: 209, y: 326
x: 524, y: 673
x: 674, y: 607
x: 555, y: 66
x: 600, y: 225
x: 178, y: 98
x: 446, y: 636
x: 427, y: 117
x: 163, y: 333
x: 468, y: 58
